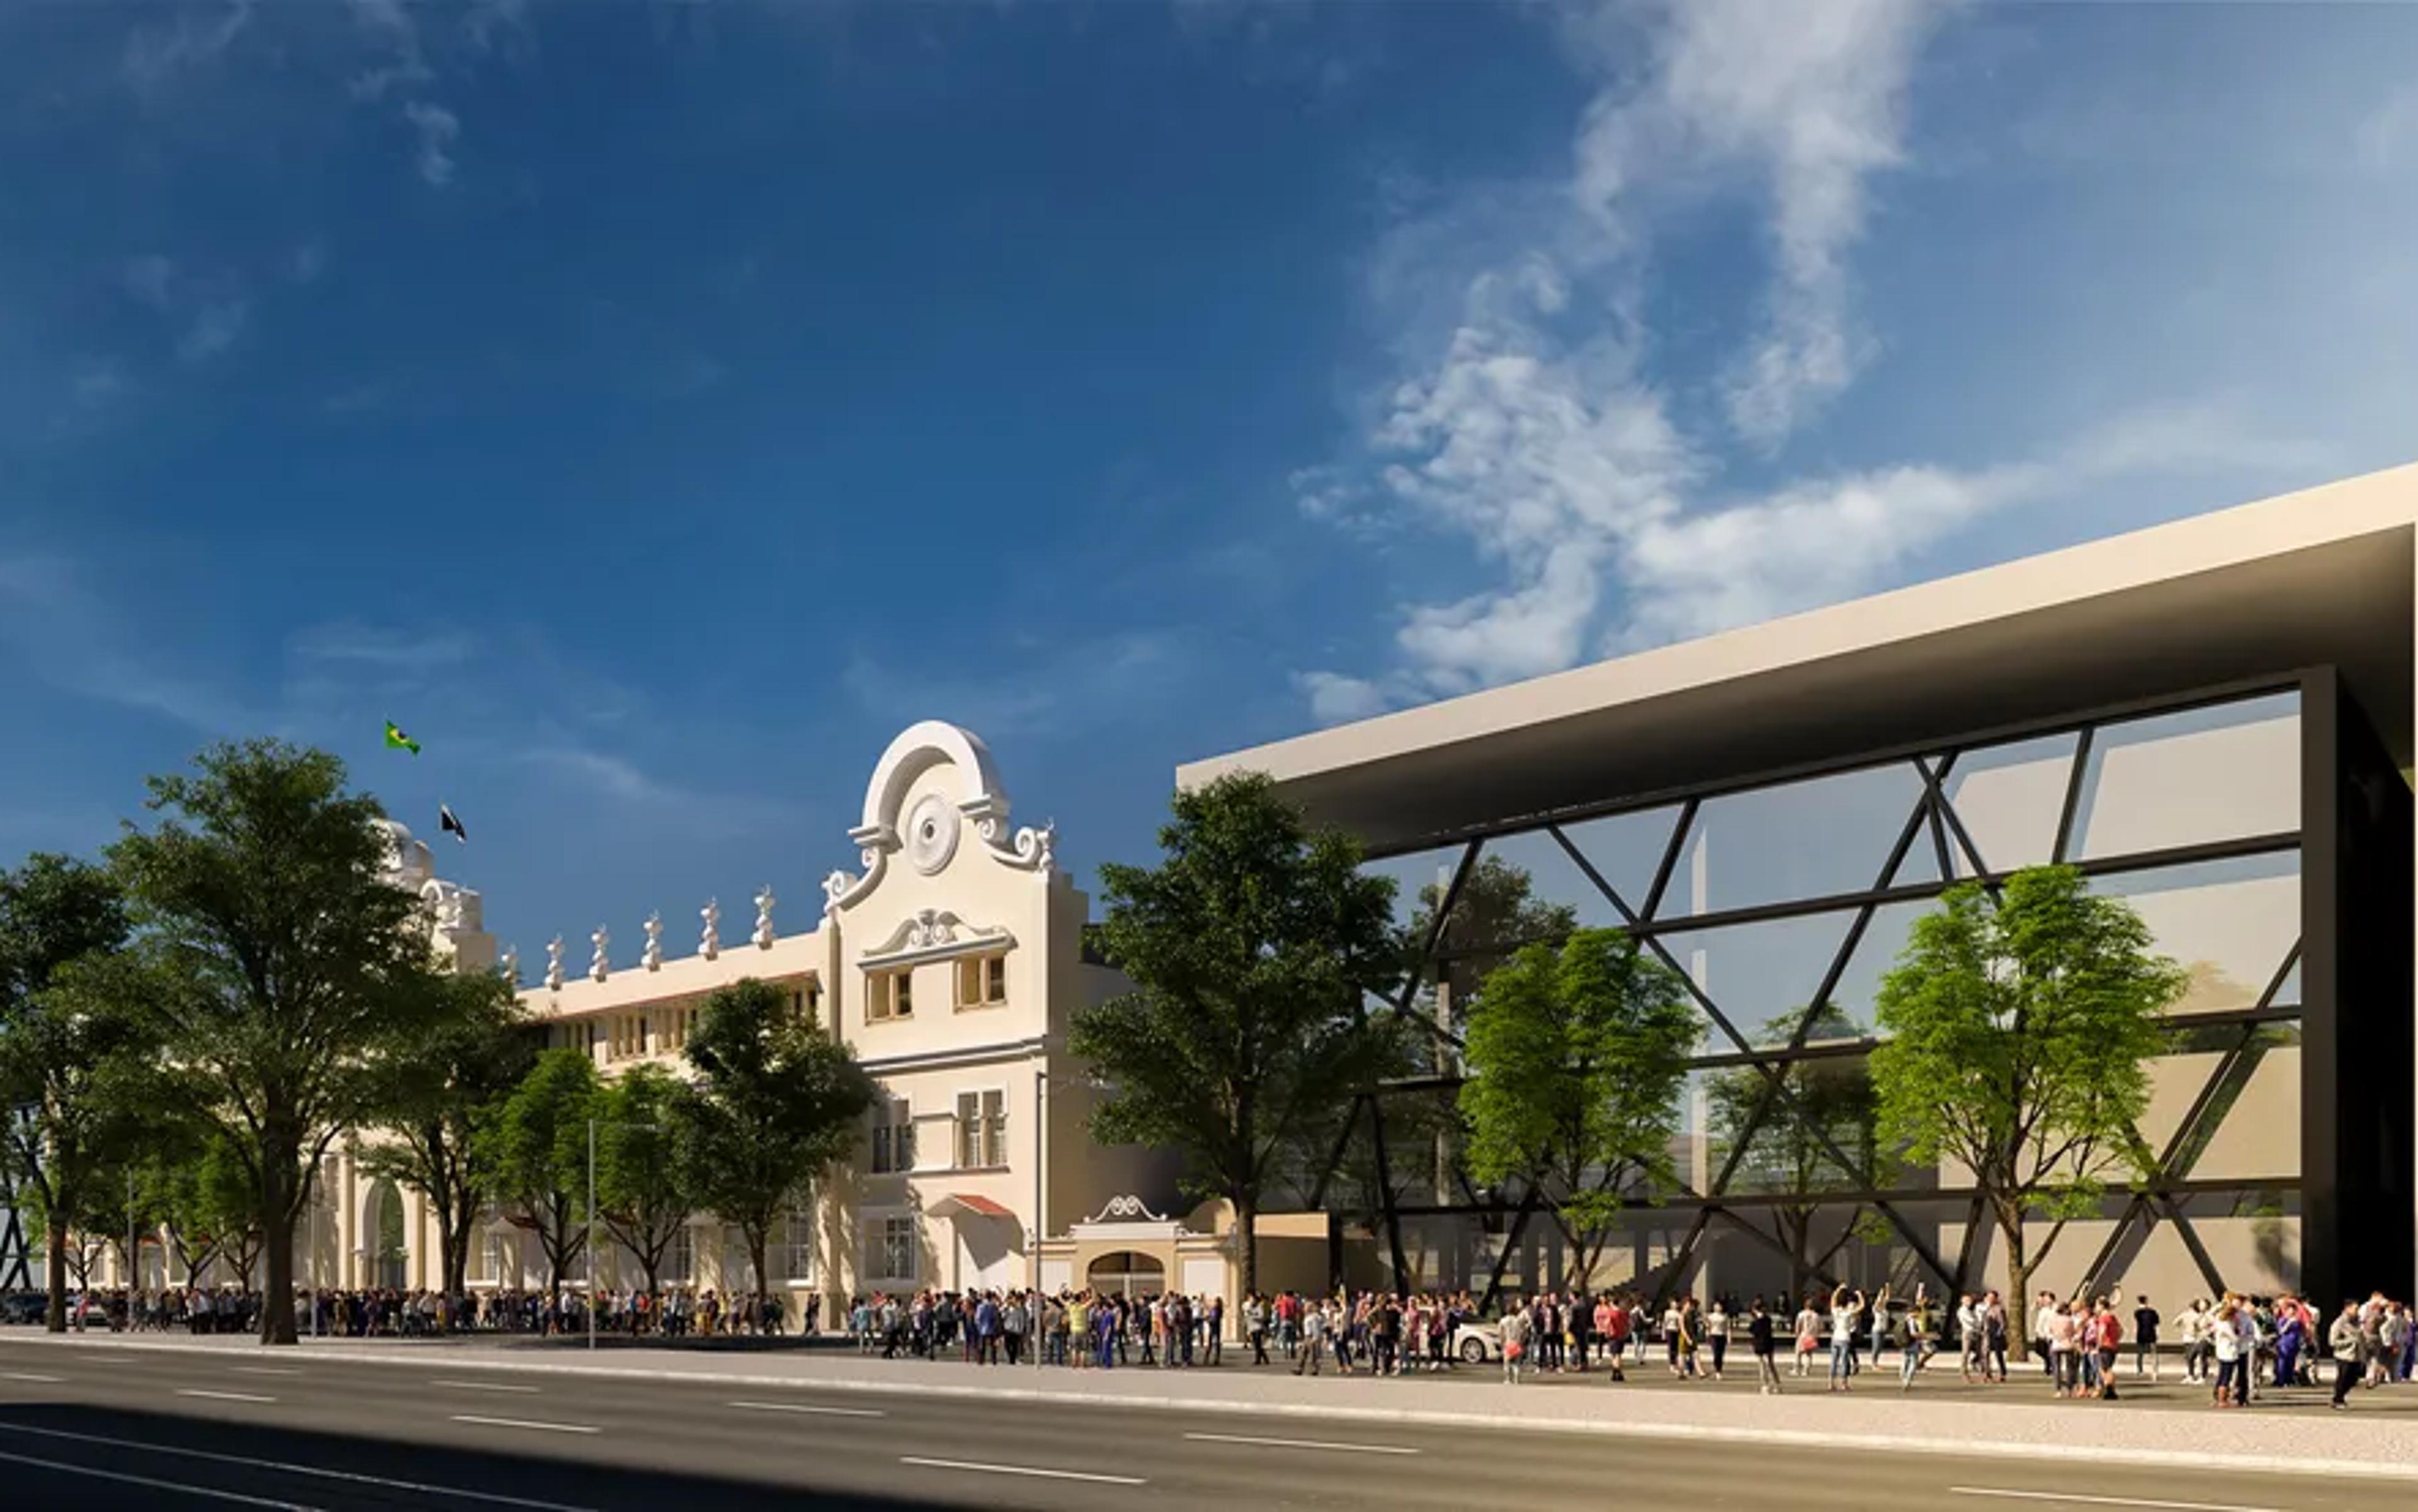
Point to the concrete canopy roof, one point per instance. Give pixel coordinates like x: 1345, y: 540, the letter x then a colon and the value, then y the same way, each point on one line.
x: 2324, y: 576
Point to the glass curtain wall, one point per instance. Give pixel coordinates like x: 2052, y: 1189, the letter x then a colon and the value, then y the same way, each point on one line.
x: 1785, y: 904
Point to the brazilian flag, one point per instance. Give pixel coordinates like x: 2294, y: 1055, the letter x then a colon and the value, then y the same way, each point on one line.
x: 397, y: 740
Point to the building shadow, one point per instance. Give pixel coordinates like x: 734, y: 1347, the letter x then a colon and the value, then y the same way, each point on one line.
x: 71, y: 1454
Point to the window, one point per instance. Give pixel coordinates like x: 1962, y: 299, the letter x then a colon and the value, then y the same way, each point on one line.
x: 890, y: 995
x: 796, y: 1256
x: 894, y: 1137
x: 889, y: 1249
x: 982, y: 980
x: 806, y: 1000
x: 982, y: 1129
x: 680, y: 1262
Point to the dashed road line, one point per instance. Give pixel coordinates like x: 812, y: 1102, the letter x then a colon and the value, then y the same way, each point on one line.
x: 978, y: 1468
x: 525, y: 1422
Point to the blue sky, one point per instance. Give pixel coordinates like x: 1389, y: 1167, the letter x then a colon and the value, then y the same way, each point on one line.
x: 656, y: 406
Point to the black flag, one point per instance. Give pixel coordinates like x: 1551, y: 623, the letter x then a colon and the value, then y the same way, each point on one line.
x: 447, y: 824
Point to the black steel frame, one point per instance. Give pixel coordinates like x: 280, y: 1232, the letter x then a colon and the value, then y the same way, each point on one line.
x: 1958, y: 860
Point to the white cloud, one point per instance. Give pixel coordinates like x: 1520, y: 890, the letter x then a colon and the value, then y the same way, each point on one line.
x: 150, y: 280
x: 1336, y: 698
x: 390, y: 23
x: 216, y: 325
x: 437, y: 128
x: 383, y: 647
x: 2388, y: 138
x: 1811, y: 106
x: 75, y: 640
x: 156, y: 55
x: 1536, y: 433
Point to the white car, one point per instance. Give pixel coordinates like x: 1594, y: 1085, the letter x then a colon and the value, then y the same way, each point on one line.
x: 1477, y: 1343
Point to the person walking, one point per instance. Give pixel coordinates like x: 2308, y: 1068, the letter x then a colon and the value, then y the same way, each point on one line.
x: 2343, y: 1343
x: 1716, y: 1333
x: 1914, y: 1338
x: 1759, y: 1338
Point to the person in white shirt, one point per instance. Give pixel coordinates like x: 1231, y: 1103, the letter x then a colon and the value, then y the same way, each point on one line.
x: 1842, y: 1335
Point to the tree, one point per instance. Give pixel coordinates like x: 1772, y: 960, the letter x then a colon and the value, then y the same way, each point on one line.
x: 2018, y: 1035
x: 75, y: 1064
x: 645, y: 1173
x: 1495, y: 912
x: 210, y: 1208
x: 1577, y: 1059
x: 281, y: 956
x: 537, y: 1149
x: 437, y: 1087
x: 1253, y: 948
x: 1828, y: 1099
x: 776, y: 1102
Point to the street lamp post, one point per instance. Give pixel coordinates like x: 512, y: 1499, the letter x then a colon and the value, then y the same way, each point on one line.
x: 651, y: 1128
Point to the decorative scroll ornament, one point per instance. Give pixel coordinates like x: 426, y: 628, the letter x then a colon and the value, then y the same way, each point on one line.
x: 1032, y: 849
x: 599, y: 967
x: 654, y: 956
x: 554, y: 964
x: 1127, y: 1209
x: 709, y: 946
x: 764, y: 901
x: 511, y: 965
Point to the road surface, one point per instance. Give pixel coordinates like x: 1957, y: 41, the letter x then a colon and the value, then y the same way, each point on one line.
x: 97, y: 1428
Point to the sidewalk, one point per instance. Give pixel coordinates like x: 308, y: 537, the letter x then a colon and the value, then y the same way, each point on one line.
x: 2293, y: 1434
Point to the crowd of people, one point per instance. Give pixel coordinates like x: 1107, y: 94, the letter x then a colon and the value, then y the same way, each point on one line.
x: 395, y: 1313
x: 2236, y: 1346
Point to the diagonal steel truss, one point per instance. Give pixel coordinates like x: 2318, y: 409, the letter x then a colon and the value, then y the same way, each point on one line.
x: 1956, y: 858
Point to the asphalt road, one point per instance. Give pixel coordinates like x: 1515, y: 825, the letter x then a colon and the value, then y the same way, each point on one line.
x: 97, y: 1428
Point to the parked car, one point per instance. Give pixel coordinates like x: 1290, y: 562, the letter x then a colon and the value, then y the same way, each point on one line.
x: 23, y: 1308
x: 1474, y: 1343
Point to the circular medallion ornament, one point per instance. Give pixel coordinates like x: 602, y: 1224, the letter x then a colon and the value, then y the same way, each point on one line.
x: 931, y: 833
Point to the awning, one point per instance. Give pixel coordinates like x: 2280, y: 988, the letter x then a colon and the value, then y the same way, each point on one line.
x: 965, y: 1204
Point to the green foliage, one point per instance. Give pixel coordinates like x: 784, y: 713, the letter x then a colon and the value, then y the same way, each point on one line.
x: 436, y: 1084
x: 1250, y: 948
x: 535, y: 1149
x: 207, y: 1204
x: 277, y: 959
x: 646, y: 1172
x: 1577, y: 1059
x: 1829, y: 1102
x: 1495, y: 914
x: 2018, y: 1036
x: 79, y: 1062
x: 776, y: 1102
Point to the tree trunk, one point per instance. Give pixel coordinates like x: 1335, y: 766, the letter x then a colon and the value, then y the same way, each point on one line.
x: 55, y: 1280
x: 2019, y: 1270
x: 278, y: 1216
x: 756, y: 1247
x: 1246, y: 1224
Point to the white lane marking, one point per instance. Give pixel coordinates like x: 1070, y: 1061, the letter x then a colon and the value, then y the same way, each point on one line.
x: 2101, y: 1501
x: 808, y: 1407
x: 483, y: 1385
x: 524, y: 1422
x: 1021, y: 1469
x: 264, y: 1370
x: 1298, y: 1443
x: 126, y: 1480
x: 225, y: 1395
x: 31, y: 1375
x: 348, y: 1476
